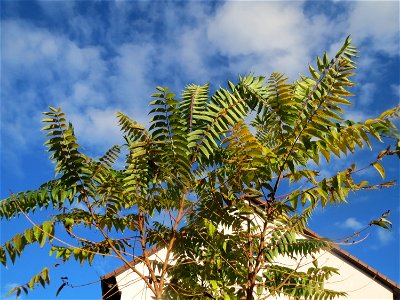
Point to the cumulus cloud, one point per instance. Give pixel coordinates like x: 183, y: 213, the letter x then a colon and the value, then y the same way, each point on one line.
x: 396, y: 90
x: 132, y: 79
x: 240, y: 28
x: 356, y: 115
x: 352, y: 223
x: 367, y: 93
x: 192, y: 55
x: 263, y: 37
x: 95, y: 126
x: 91, y: 69
x: 39, y: 57
x: 267, y: 36
x: 47, y: 69
x: 376, y: 22
x: 385, y: 237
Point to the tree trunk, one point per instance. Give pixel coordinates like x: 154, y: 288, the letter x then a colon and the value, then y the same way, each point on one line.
x: 158, y: 295
x: 249, y: 293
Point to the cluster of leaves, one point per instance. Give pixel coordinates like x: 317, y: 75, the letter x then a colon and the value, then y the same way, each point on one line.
x: 41, y: 278
x: 213, y: 182
x: 223, y: 248
x: 37, y: 234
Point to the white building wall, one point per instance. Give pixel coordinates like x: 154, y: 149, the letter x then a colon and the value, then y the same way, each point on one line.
x: 357, y: 284
x: 132, y: 286
x: 351, y: 280
x: 354, y: 282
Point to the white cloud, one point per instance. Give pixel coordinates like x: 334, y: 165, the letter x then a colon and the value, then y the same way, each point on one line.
x: 53, y: 70
x: 367, y: 93
x: 44, y: 67
x: 267, y: 36
x: 191, y: 53
x: 25, y: 50
x: 40, y: 57
x: 239, y: 28
x: 263, y: 37
x: 97, y: 127
x: 352, y: 223
x: 132, y: 80
x: 356, y: 115
x: 385, y: 236
x: 396, y: 90
x: 377, y: 22
x: 56, y: 71
x: 9, y: 286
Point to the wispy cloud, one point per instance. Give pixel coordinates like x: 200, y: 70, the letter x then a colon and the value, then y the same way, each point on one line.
x: 58, y: 72
x: 351, y: 223
x: 373, y: 22
x: 385, y: 236
x: 95, y: 125
x: 356, y: 115
x: 367, y: 93
x: 396, y: 90
x: 9, y: 286
x: 91, y: 67
x: 48, y: 68
x: 109, y: 56
x: 267, y: 36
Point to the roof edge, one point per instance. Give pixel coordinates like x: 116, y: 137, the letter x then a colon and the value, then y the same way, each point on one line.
x: 374, y: 274
x: 133, y: 262
x: 360, y: 264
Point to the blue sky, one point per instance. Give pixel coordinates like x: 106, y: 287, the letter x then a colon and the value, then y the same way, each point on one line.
x: 94, y: 58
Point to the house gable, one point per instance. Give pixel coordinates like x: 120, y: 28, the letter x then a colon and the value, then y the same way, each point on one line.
x: 356, y: 278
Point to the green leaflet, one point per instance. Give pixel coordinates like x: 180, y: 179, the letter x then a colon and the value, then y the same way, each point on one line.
x: 48, y: 230
x: 19, y: 243
x: 211, y: 167
x: 3, y: 259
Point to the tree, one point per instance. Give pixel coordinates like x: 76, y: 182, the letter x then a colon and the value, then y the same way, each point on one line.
x: 200, y: 184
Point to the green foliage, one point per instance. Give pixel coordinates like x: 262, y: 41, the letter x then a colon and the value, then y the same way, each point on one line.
x: 41, y: 278
x: 296, y: 124
x: 205, y: 184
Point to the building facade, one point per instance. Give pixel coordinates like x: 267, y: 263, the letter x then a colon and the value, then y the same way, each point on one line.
x: 356, y: 278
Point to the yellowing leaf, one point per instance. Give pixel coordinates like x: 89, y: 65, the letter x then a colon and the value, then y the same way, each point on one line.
x: 18, y: 243
x: 379, y: 168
